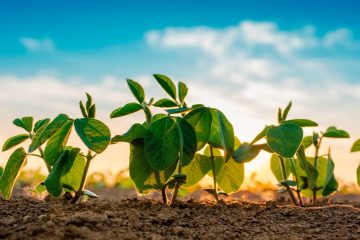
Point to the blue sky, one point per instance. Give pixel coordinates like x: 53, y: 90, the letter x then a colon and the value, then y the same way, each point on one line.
x: 244, y: 57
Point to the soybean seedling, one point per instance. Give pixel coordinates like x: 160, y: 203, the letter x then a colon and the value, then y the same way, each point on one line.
x: 325, y: 182
x: 69, y: 166
x: 163, y: 143
x: 18, y: 158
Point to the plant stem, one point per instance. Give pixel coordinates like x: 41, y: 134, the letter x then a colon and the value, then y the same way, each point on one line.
x: 42, y: 156
x: 214, y: 173
x: 283, y: 170
x: 316, y: 158
x: 79, y: 192
x: 177, y: 186
x: 292, y: 161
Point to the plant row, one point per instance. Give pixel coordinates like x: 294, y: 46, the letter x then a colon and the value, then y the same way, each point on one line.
x: 173, y: 149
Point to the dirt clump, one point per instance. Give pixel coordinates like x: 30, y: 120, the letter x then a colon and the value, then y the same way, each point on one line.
x: 27, y: 218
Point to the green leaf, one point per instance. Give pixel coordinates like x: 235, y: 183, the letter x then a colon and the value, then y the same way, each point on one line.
x: 183, y: 90
x: 286, y: 111
x: 92, y: 111
x: 196, y: 169
x: 301, y: 122
x: 222, y: 133
x: 83, y: 110
x: 287, y: 182
x: 307, y: 141
x: 143, y: 175
x: 89, y: 101
x: 188, y: 144
x: 333, y: 132
x: 137, y: 90
x: 55, y: 145
x: 1, y: 171
x: 11, y: 172
x: 201, y: 120
x: 62, y: 166
x: 47, y: 131
x: 41, y: 123
x: 310, y: 171
x: 165, y: 103
x: 13, y: 141
x: 94, y: 134
x: 275, y: 166
x: 167, y: 84
x: 356, y: 146
x: 162, y: 144
x: 135, y: 132
x: 285, y: 139
x: 25, y: 123
x: 73, y: 177
x: 177, y: 110
x: 230, y: 175
x: 125, y: 110
x: 247, y: 152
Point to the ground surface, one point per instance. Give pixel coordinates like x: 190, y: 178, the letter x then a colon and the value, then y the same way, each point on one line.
x: 134, y: 218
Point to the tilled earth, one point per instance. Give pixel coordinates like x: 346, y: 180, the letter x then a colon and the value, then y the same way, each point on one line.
x: 135, y: 218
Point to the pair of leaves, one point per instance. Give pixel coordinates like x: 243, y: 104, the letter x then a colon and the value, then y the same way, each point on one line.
x: 89, y: 110
x: 11, y: 172
x: 212, y: 127
x: 168, y: 140
x: 333, y: 132
x: 168, y: 85
x: 26, y: 123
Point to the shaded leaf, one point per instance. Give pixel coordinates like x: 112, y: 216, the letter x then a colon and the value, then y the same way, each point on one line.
x: 188, y: 144
x: 47, y: 131
x: 165, y: 102
x: 183, y: 90
x: 196, y: 169
x: 162, y: 144
x: 55, y: 145
x: 333, y: 132
x: 275, y: 166
x: 13, y: 141
x: 41, y: 123
x: 25, y: 123
x: 307, y: 141
x: 247, y: 152
x: 73, y: 177
x: 356, y: 146
x: 135, y: 132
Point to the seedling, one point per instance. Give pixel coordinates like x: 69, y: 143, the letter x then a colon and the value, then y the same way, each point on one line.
x: 18, y: 158
x: 325, y: 182
x: 68, y: 166
x: 163, y: 143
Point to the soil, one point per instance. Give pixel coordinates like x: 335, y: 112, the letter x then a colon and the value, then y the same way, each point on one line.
x: 142, y: 218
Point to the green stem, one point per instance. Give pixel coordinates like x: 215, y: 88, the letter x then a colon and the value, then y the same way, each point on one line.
x: 292, y: 161
x: 316, y: 158
x: 214, y: 173
x: 79, y: 192
x: 42, y: 156
x: 177, y: 186
x: 283, y: 171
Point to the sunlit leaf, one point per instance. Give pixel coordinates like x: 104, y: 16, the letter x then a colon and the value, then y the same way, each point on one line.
x: 201, y: 120
x: 301, y: 122
x: 188, y: 144
x: 137, y: 90
x: 135, y: 132
x: 11, y: 172
x: 125, y: 110
x: 356, y: 146
x: 167, y: 84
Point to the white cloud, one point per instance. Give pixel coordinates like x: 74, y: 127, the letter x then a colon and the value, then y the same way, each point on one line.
x: 38, y: 45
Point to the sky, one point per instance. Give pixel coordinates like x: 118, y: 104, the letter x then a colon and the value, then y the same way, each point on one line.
x: 246, y: 58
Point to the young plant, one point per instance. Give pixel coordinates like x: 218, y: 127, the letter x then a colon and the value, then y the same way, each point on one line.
x: 163, y: 143
x: 69, y: 166
x: 325, y: 182
x: 18, y: 158
x: 284, y: 142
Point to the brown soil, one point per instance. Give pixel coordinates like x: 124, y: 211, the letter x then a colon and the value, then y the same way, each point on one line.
x: 134, y: 218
